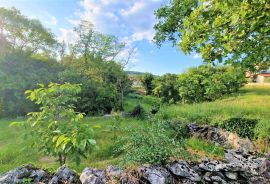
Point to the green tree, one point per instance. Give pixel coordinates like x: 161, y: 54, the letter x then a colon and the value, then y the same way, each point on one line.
x: 225, y: 31
x: 19, y: 73
x: 92, y: 63
x: 147, y: 81
x: 57, y: 128
x: 21, y: 34
x: 208, y: 83
x: 93, y: 45
x: 166, y: 88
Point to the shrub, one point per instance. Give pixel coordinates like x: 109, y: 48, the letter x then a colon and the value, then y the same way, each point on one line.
x: 208, y: 83
x: 19, y: 73
x: 155, y: 109
x: 150, y: 144
x: 57, y: 128
x: 147, y: 81
x: 138, y: 112
x: 242, y: 126
x: 166, y: 88
x: 151, y: 100
x: 177, y: 128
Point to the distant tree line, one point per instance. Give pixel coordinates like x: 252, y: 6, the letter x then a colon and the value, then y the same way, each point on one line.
x: 30, y: 54
x: 198, y: 84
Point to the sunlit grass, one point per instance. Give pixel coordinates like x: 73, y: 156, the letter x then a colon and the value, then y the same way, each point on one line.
x: 251, y: 101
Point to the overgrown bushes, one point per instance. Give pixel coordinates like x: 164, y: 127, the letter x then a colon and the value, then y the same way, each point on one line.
x: 166, y: 88
x: 244, y: 127
x: 148, y: 144
x: 138, y: 112
x: 19, y: 73
x: 207, y: 83
x: 204, y: 83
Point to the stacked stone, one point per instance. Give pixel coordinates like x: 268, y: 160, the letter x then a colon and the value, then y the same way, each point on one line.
x: 237, y: 168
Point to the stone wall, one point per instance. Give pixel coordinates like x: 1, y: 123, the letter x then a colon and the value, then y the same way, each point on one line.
x: 237, y: 168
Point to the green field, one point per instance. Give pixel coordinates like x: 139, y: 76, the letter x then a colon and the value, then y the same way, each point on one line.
x: 251, y: 102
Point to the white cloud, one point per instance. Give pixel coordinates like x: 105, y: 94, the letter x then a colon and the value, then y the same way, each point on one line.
x: 67, y: 35
x: 132, y: 18
x: 197, y: 56
x: 49, y: 19
x: 137, y: 6
x: 143, y: 35
x: 53, y: 21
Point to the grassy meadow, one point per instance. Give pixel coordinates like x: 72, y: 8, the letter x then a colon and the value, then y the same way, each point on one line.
x: 251, y: 102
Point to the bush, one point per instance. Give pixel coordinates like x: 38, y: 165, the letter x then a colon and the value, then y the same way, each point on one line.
x: 242, y: 126
x: 150, y: 144
x: 57, y: 129
x: 155, y: 109
x: 19, y: 73
x: 208, y: 83
x: 177, y: 128
x: 147, y: 81
x: 166, y: 88
x: 138, y: 112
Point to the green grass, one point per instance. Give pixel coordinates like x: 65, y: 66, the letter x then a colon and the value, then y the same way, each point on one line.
x: 251, y: 102
x: 14, y: 150
x: 202, y: 148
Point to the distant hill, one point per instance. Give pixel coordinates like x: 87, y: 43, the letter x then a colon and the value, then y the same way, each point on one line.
x: 134, y: 73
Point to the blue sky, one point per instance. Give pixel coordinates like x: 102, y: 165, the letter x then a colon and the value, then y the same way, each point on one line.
x: 130, y: 20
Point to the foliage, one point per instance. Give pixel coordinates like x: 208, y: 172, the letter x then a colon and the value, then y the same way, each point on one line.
x: 250, y: 102
x: 154, y: 109
x: 207, y: 83
x: 149, y: 144
x: 104, y: 82
x: 57, y: 128
x: 244, y: 127
x: 138, y: 112
x: 104, y: 85
x: 147, y: 81
x: 23, y: 35
x: 177, y: 128
x: 19, y: 73
x: 166, y: 88
x: 93, y: 45
x: 235, y: 32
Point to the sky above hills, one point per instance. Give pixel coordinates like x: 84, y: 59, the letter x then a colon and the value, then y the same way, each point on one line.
x: 130, y: 20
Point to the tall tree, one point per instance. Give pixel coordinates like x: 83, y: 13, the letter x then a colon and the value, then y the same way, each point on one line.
x: 225, y: 31
x: 22, y: 34
x: 148, y: 83
x: 93, y: 45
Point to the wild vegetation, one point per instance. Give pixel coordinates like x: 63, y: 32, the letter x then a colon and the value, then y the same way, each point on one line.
x: 75, y: 104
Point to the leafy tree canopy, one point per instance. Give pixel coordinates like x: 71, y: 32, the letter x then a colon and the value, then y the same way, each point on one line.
x: 21, y: 34
x: 226, y: 31
x: 93, y: 45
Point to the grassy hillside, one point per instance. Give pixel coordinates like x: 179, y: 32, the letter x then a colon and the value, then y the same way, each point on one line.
x: 251, y: 102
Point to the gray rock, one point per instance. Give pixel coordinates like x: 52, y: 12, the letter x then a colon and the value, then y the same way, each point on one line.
x: 64, y: 175
x: 183, y: 169
x: 156, y: 175
x: 220, y: 136
x: 247, y: 164
x: 231, y: 175
x: 113, y: 173
x: 21, y: 174
x: 213, y: 166
x: 93, y: 176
